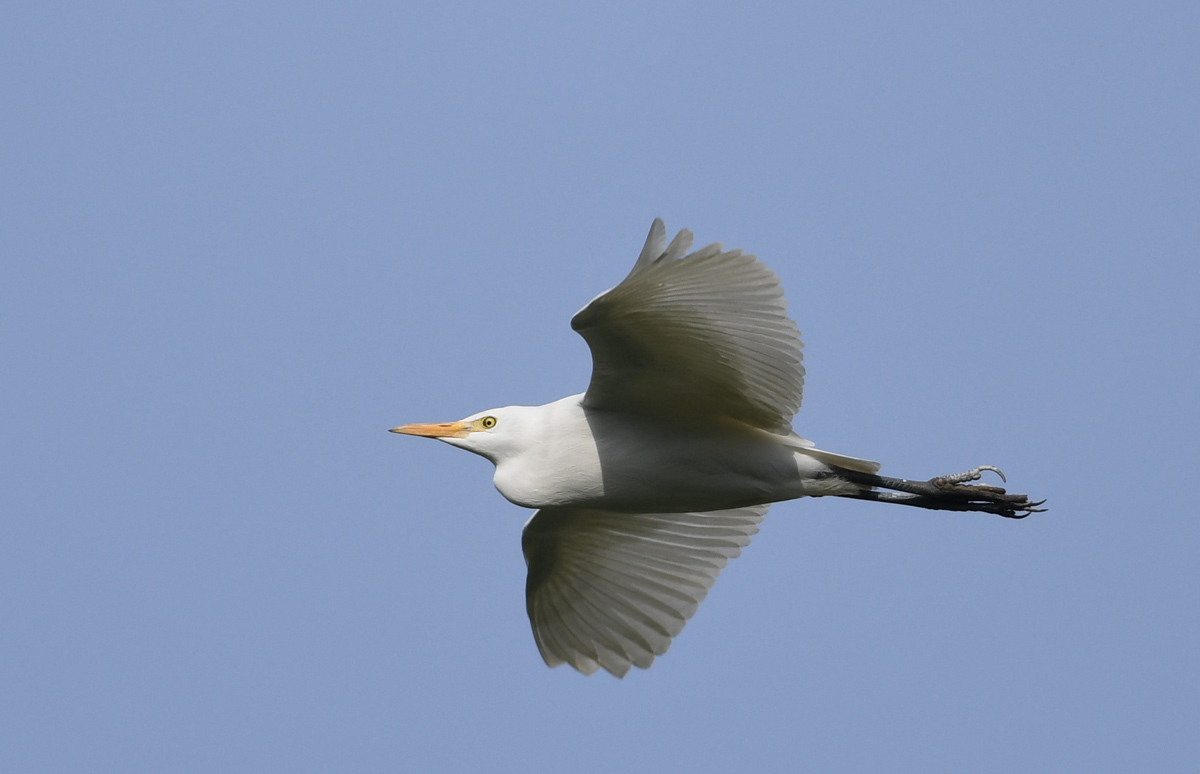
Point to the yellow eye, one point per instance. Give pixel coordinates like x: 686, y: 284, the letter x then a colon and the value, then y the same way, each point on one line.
x: 487, y: 423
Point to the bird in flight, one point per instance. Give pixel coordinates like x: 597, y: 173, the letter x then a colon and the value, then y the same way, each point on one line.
x: 649, y: 482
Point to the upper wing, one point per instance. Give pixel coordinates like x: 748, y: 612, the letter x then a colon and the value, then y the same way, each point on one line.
x: 610, y: 590
x: 706, y: 333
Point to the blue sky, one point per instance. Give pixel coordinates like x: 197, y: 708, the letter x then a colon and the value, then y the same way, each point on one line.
x: 239, y: 243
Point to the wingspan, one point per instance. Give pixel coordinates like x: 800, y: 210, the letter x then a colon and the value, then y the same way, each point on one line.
x: 607, y: 589
x: 705, y: 333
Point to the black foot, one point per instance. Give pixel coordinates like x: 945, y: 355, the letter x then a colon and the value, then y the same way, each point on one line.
x: 945, y: 493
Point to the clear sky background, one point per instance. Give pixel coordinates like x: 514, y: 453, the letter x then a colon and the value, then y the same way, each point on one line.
x: 239, y: 243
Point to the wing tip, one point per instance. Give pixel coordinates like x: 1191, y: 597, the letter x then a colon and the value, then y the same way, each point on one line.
x: 656, y: 249
x: 656, y: 245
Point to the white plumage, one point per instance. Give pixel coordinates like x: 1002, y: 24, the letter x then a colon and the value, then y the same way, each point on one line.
x: 607, y: 590
x: 658, y: 475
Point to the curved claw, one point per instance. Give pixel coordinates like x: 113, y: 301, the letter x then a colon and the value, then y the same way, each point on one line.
x: 995, y: 470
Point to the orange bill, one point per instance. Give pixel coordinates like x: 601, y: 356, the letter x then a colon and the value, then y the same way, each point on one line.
x: 435, y: 430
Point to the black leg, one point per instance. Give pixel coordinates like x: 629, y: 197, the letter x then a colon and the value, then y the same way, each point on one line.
x: 944, y: 493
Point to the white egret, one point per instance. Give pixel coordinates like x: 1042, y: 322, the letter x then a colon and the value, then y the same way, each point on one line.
x: 649, y: 482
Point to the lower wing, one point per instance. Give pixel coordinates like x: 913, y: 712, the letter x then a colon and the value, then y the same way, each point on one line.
x: 609, y: 589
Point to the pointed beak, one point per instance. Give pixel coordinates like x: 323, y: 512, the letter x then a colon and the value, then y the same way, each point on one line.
x: 437, y: 430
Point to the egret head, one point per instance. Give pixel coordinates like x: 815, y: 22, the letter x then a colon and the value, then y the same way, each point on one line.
x: 491, y: 434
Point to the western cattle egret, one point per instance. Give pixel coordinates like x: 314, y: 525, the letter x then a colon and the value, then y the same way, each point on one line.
x: 649, y: 482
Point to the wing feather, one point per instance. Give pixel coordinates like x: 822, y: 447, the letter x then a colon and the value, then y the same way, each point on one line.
x: 610, y: 590
x: 700, y: 334
x: 626, y: 634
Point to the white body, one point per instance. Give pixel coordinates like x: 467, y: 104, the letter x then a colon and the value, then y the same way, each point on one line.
x: 573, y: 457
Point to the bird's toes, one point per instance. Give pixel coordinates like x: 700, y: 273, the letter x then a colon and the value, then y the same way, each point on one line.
x: 1018, y: 506
x: 993, y: 499
x: 974, y: 474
